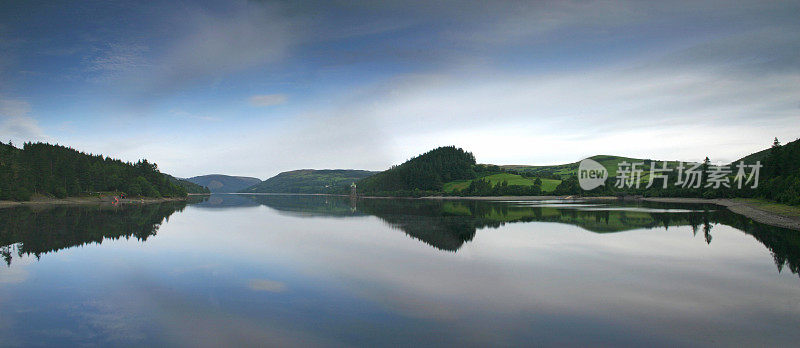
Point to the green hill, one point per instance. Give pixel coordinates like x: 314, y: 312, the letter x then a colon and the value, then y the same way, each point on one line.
x: 426, y: 173
x: 218, y: 183
x: 521, y: 179
x: 310, y: 181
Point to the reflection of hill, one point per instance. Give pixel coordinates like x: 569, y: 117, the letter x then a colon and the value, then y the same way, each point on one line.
x: 216, y: 201
x: 447, y: 225
x: 38, y: 231
x: 308, y: 205
x: 425, y: 221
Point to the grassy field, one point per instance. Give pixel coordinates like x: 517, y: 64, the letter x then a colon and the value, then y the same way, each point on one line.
x: 548, y: 185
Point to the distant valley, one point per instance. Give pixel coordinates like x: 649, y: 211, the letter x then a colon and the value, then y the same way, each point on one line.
x: 218, y: 183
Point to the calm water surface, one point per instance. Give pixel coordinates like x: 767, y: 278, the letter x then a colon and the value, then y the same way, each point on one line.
x: 329, y: 271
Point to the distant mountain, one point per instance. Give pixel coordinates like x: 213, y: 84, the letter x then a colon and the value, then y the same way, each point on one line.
x: 310, y: 181
x: 218, y: 183
x: 189, y: 186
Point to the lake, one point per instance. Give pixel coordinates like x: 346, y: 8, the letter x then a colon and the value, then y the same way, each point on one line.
x: 232, y: 270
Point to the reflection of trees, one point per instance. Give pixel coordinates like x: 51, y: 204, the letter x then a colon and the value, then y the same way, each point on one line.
x: 425, y: 221
x: 447, y: 225
x: 784, y: 244
x: 37, y: 231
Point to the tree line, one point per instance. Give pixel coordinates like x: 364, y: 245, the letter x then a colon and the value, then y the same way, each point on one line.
x: 59, y: 171
x: 426, y: 174
x: 483, y: 187
x: 781, y: 181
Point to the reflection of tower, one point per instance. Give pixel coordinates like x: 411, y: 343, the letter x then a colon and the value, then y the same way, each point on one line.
x: 353, y: 197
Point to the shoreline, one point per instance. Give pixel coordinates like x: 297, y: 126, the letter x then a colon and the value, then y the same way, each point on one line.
x: 506, y: 198
x: 86, y: 201
x: 752, y: 209
x: 777, y: 215
x: 788, y: 217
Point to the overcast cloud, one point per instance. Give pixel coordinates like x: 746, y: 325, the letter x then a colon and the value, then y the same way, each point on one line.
x: 254, y: 88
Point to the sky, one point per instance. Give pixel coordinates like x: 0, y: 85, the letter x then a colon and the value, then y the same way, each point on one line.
x: 254, y: 88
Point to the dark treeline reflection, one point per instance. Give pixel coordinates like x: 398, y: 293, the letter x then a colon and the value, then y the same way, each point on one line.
x: 447, y: 225
x: 39, y: 230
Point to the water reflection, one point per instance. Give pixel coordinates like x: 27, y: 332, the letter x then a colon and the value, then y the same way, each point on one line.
x: 222, y: 201
x: 442, y: 224
x: 331, y: 271
x: 40, y: 230
x: 448, y: 224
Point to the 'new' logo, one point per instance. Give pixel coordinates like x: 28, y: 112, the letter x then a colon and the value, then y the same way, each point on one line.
x: 591, y: 174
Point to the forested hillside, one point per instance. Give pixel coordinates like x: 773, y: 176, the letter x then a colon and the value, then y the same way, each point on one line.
x: 59, y: 171
x: 781, y: 180
x: 310, y: 181
x: 423, y: 174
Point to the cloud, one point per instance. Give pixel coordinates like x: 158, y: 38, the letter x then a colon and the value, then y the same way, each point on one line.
x: 658, y: 108
x: 18, y: 273
x: 16, y: 124
x: 184, y: 114
x: 267, y: 99
x: 526, y: 83
x: 117, y: 60
x: 203, y: 46
x: 215, y: 43
x: 669, y: 112
x: 14, y: 107
x: 266, y: 285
